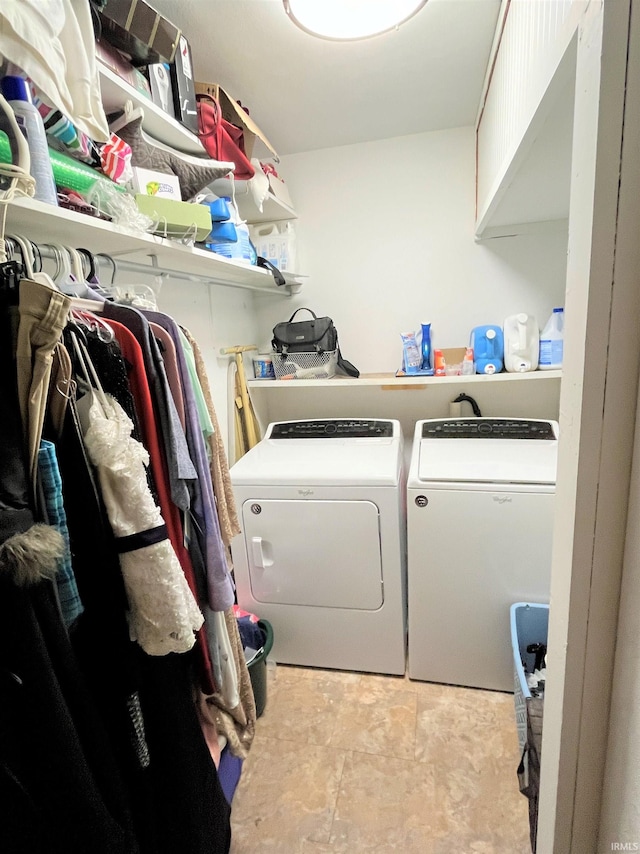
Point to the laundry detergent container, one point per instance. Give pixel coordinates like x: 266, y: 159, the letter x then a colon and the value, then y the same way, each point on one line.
x: 488, y: 348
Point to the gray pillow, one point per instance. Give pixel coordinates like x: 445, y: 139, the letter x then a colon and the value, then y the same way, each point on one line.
x: 194, y: 173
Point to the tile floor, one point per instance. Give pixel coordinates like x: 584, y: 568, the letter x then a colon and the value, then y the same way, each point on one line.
x: 349, y: 762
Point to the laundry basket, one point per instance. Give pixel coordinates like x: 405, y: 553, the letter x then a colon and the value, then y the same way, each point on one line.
x: 529, y: 624
x: 258, y: 668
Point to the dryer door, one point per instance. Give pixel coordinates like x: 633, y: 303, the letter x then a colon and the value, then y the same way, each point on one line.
x: 319, y: 553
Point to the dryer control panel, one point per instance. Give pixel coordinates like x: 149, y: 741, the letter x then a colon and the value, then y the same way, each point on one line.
x: 332, y: 428
x: 488, y: 428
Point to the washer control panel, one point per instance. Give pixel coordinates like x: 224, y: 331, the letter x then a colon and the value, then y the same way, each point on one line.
x: 488, y: 428
x: 353, y: 428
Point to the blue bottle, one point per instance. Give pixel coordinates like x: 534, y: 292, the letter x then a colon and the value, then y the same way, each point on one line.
x: 488, y: 348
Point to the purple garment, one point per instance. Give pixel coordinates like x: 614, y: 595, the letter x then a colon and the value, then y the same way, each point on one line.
x: 220, y: 588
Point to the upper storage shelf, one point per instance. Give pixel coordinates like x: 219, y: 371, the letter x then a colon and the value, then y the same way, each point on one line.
x: 525, y: 126
x: 157, y: 123
x: 44, y: 223
x: 273, y: 209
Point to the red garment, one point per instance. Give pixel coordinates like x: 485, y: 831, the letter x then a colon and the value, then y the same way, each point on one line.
x: 132, y: 352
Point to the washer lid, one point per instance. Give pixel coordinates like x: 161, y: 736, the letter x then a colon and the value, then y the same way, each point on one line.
x: 333, y: 459
x: 488, y: 451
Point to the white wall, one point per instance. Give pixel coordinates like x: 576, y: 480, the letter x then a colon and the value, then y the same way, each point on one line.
x: 386, y: 236
x: 217, y: 317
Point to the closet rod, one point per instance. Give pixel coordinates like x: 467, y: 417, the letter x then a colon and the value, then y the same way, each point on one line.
x: 115, y: 266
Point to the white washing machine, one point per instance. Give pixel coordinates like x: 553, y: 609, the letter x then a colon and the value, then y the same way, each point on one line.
x: 322, y: 550
x: 480, y: 504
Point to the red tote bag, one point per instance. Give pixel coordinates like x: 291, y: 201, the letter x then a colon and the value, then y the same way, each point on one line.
x: 222, y: 139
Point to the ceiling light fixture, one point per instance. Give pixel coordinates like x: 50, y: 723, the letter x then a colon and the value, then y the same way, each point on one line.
x: 348, y: 20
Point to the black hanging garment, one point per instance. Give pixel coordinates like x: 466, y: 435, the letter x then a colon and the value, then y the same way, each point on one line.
x: 60, y: 790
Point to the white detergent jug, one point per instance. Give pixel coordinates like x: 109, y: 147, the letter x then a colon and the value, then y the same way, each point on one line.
x: 521, y: 343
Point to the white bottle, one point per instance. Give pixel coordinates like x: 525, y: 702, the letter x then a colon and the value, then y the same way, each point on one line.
x: 16, y: 92
x: 521, y: 343
x: 552, y: 342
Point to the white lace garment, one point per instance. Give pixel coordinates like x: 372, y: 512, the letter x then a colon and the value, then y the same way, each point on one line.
x: 163, y: 614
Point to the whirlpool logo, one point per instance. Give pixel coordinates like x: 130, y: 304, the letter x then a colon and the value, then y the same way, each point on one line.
x: 502, y: 499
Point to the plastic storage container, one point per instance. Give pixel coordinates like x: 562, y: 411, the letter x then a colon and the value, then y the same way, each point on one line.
x: 16, y: 92
x: 552, y: 342
x: 529, y: 624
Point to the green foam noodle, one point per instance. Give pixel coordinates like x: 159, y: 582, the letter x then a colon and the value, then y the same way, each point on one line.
x: 67, y: 173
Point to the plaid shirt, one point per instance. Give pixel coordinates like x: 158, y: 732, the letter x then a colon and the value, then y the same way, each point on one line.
x: 51, y: 481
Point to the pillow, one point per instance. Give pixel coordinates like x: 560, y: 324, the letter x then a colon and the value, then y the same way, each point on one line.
x: 194, y: 173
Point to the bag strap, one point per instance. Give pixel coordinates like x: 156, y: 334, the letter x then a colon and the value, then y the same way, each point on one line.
x: 349, y: 369
x: 217, y: 113
x: 277, y: 275
x: 315, y: 317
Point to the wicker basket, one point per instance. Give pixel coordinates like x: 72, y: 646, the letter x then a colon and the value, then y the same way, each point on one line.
x: 305, y: 366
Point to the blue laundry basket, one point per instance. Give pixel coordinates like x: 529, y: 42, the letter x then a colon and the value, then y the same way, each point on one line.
x: 529, y: 624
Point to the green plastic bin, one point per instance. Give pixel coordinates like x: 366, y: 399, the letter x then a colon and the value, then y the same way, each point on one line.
x: 258, y: 668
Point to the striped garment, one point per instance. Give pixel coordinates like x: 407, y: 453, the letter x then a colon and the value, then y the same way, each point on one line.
x: 70, y: 603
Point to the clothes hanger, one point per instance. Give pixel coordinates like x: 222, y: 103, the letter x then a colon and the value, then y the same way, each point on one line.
x: 64, y: 278
x: 26, y: 253
x: 15, y: 177
x: 138, y: 296
x: 88, y: 317
x: 91, y: 261
x: 90, y: 375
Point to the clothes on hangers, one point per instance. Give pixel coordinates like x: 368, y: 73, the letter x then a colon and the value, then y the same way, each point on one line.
x: 168, y: 350
x: 109, y: 399
x: 220, y: 588
x: 60, y: 389
x: 49, y: 473
x: 229, y: 525
x: 43, y: 314
x: 163, y: 614
x: 180, y: 466
x: 133, y: 353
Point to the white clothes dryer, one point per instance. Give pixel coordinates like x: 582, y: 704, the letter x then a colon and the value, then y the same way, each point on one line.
x: 480, y: 505
x: 322, y: 551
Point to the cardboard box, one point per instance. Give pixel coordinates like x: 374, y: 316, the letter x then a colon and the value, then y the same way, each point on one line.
x: 182, y: 84
x: 152, y: 183
x: 137, y: 29
x: 180, y: 220
x: 279, y: 190
x: 233, y: 112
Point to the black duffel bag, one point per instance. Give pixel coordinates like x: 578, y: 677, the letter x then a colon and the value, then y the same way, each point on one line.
x: 318, y: 335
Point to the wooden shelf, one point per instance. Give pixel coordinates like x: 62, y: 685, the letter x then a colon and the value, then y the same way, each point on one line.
x: 44, y: 223
x: 392, y: 383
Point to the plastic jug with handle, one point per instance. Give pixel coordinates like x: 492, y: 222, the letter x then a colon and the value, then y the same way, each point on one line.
x: 521, y: 343
x: 488, y: 348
